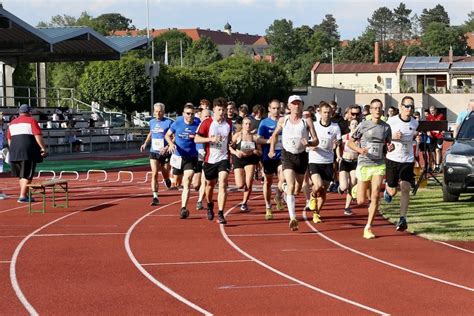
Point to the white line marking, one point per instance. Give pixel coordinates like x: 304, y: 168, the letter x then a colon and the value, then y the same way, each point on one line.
x: 222, y: 228
x: 322, y: 235
x: 232, y: 287
x: 147, y: 274
x: 312, y: 249
x: 5, y: 261
x: 13, y: 278
x: 193, y: 262
x: 265, y: 235
x: 77, y: 234
x: 453, y: 246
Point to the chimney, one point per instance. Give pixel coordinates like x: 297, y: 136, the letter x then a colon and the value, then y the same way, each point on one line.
x: 450, y: 55
x: 376, y: 53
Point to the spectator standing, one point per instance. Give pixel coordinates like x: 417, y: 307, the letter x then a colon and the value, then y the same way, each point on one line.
x: 463, y: 115
x: 27, y: 148
x: 437, y: 137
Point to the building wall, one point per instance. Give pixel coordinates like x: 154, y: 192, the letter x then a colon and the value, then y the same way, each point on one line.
x: 361, y: 82
x: 315, y: 95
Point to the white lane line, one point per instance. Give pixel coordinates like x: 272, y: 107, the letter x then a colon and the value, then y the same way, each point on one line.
x: 5, y: 261
x: 232, y: 287
x: 193, y: 262
x: 78, y: 234
x: 322, y: 235
x: 266, y: 235
x: 13, y: 277
x: 147, y: 274
x: 312, y: 249
x: 453, y: 246
x: 289, y: 277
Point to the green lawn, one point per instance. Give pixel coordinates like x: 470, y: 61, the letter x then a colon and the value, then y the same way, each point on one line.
x: 430, y: 217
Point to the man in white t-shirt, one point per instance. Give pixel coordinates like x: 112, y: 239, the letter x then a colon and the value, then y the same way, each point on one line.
x: 321, y: 158
x: 216, y: 133
x: 401, y: 161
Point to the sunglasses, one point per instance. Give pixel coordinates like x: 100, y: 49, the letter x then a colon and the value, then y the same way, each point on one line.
x: 188, y: 113
x: 408, y: 106
x: 358, y: 113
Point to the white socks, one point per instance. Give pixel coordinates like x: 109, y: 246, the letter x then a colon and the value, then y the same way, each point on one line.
x: 290, y: 202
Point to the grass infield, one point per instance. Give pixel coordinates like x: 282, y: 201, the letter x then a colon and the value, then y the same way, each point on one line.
x: 430, y: 217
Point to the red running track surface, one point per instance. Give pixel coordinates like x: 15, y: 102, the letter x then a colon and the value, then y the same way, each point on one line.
x: 112, y: 253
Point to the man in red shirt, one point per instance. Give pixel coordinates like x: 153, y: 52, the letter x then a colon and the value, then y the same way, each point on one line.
x: 27, y: 148
x: 436, y: 136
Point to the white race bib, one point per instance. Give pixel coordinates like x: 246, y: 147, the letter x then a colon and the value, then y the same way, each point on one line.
x: 157, y: 144
x: 325, y: 144
x: 247, y: 146
x: 175, y: 161
x: 201, y: 154
x: 375, y: 150
x: 404, y: 147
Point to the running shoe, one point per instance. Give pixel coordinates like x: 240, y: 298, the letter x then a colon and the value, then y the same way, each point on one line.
x: 347, y: 211
x: 184, y: 213
x: 313, y: 204
x: 199, y: 206
x: 402, y: 224
x: 221, y: 218
x: 268, y: 214
x: 293, y: 224
x: 317, y: 218
x: 387, y: 197
x: 368, y: 233
x: 210, y: 211
x: 168, y: 183
x: 279, y: 203
x: 244, y: 207
x: 155, y: 202
x: 3, y: 196
x: 26, y: 200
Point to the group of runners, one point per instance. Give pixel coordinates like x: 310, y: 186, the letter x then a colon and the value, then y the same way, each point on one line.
x: 298, y: 153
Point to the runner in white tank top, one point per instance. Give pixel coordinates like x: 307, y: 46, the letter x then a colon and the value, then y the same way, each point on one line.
x: 295, y: 131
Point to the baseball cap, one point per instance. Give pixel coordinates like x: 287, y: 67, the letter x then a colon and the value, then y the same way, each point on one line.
x: 24, y: 108
x: 293, y: 98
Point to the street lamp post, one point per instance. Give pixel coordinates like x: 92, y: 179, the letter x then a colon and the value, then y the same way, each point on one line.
x: 332, y: 65
x: 152, y: 55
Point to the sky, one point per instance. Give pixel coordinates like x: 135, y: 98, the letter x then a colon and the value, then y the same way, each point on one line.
x: 245, y: 16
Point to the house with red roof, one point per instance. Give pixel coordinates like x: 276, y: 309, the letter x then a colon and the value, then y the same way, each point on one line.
x: 225, y: 40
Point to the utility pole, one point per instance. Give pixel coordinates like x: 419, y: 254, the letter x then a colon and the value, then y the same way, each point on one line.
x: 332, y: 65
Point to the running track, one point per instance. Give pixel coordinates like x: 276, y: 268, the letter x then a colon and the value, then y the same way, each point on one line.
x: 112, y: 253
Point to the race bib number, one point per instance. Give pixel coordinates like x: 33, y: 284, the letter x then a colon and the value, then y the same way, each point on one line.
x: 247, y: 146
x: 201, y: 154
x: 157, y: 144
x: 375, y: 150
x: 404, y: 148
x: 325, y: 144
x: 175, y: 161
x: 294, y: 144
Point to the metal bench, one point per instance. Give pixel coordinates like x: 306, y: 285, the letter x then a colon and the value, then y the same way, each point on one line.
x: 57, y: 185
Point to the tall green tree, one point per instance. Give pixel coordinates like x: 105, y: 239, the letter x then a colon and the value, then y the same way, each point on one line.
x: 329, y: 26
x: 117, y: 84
x: 415, y: 26
x: 439, y: 37
x: 437, y: 14
x: 175, y: 40
x: 360, y: 50
x: 109, y: 22
x: 469, y: 24
x: 401, y: 22
x: 381, y: 24
x: 285, y: 44
x: 202, y: 52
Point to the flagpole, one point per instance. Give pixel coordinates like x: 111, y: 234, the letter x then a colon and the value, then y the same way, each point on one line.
x: 181, y: 51
x: 152, y: 96
x: 166, y: 53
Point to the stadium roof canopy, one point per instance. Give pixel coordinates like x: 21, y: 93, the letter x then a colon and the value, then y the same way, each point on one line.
x: 25, y: 44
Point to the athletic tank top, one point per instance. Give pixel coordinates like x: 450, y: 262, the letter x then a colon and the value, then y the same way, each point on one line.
x: 292, y: 134
x: 346, y: 139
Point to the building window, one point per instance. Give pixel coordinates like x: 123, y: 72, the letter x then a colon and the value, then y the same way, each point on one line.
x: 388, y: 83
